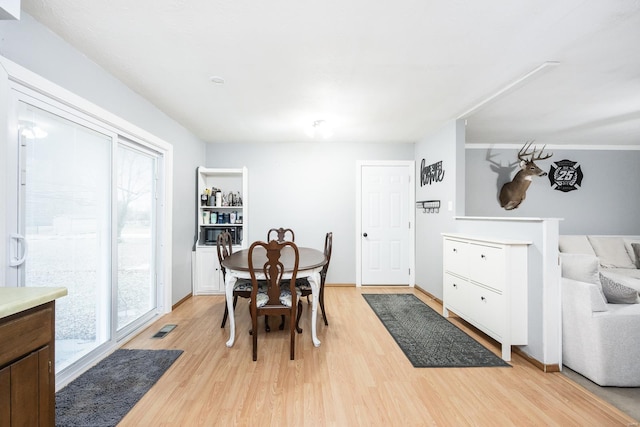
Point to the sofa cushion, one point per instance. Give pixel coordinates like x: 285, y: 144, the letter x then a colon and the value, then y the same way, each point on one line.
x: 580, y: 267
x: 635, y: 252
x: 583, y: 268
x: 619, y: 289
x: 629, y: 272
x: 578, y: 244
x: 611, y: 252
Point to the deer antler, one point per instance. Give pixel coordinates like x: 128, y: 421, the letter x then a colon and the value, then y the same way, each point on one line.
x: 524, y: 152
x: 539, y: 156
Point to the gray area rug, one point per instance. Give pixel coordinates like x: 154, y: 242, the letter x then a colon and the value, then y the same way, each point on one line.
x: 104, y: 394
x: 428, y: 339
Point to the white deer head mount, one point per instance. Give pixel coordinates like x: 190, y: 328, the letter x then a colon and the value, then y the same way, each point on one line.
x: 514, y: 192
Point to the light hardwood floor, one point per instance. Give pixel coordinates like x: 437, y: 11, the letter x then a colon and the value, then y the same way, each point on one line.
x: 357, y: 377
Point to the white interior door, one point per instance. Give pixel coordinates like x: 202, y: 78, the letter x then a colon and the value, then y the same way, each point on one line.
x: 385, y: 237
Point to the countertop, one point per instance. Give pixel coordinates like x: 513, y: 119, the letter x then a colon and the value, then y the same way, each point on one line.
x: 15, y: 300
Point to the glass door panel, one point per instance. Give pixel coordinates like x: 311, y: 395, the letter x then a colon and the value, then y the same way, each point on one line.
x: 136, y: 290
x: 65, y: 200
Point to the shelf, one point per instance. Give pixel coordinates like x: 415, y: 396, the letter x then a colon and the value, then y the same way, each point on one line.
x: 220, y: 207
x: 207, y: 273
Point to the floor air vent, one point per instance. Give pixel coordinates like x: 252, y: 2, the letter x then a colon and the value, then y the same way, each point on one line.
x: 164, y: 331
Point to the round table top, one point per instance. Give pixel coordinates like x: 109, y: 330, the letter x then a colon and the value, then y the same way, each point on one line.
x: 309, y: 259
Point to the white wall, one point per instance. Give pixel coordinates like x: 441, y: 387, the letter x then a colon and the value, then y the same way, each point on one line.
x: 447, y: 146
x: 606, y: 203
x: 33, y: 46
x: 308, y: 187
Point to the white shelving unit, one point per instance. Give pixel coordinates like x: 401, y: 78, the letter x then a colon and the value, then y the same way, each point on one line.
x: 229, y: 212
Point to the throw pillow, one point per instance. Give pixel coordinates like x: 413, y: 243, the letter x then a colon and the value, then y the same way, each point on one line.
x: 636, y: 253
x: 580, y: 267
x: 611, y: 252
x: 617, y: 290
x: 575, y: 244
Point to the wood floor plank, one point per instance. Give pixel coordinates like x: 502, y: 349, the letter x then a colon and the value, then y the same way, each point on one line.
x: 357, y: 377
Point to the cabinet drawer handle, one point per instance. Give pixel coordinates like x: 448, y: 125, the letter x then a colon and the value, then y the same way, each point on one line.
x: 483, y: 298
x: 483, y: 256
x: 455, y: 250
x: 455, y: 286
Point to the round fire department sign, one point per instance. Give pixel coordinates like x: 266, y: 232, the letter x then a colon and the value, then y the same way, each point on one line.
x: 565, y: 175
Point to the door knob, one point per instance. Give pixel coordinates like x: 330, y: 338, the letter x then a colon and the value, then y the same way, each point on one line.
x: 364, y: 234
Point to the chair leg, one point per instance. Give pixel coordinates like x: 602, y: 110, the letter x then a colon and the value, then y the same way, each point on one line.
x: 266, y: 324
x: 293, y: 336
x: 324, y: 315
x: 254, y: 324
x: 226, y: 311
x: 298, y: 328
x: 225, y: 315
x: 282, y: 323
x: 251, y: 330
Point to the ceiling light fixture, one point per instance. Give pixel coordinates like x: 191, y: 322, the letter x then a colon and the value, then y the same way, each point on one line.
x: 320, y: 128
x: 217, y: 80
x: 508, y: 88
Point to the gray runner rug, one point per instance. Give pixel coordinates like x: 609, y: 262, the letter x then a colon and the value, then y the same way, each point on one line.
x: 428, y: 339
x: 104, y: 394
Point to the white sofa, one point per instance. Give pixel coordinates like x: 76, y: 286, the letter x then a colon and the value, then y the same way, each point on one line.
x: 601, y: 308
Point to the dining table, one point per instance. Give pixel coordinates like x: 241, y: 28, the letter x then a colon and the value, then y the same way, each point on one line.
x: 310, y: 264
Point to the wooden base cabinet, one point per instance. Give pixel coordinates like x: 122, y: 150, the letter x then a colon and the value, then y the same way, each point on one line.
x: 485, y: 283
x: 27, y: 375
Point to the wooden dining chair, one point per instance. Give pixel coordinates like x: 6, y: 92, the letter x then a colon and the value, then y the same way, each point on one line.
x: 281, y: 234
x: 304, y: 287
x: 277, y: 298
x: 242, y: 288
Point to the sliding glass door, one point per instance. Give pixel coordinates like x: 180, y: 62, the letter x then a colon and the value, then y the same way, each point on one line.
x: 65, y: 217
x: 86, y: 203
x: 136, y: 190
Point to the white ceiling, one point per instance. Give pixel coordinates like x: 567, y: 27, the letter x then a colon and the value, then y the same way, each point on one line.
x: 378, y: 70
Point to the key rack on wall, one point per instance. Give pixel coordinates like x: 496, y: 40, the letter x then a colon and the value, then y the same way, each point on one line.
x: 429, y: 206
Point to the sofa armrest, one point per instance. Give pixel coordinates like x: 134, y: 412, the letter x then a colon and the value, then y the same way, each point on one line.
x: 581, y: 297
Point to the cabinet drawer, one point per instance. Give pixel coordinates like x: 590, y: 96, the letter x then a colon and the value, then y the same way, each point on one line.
x: 455, y: 257
x: 487, y: 265
x: 25, y: 333
x: 456, y: 295
x: 487, y: 310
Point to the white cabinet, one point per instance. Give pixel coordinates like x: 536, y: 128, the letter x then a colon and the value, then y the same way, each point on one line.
x: 485, y: 283
x: 227, y: 210
x: 208, y: 278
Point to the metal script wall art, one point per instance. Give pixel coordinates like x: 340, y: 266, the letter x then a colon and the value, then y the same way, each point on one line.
x: 432, y: 173
x: 565, y: 175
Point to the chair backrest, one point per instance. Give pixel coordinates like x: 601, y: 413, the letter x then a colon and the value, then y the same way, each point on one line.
x: 277, y: 301
x: 328, y: 247
x: 273, y: 270
x: 224, y: 249
x: 281, y: 234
